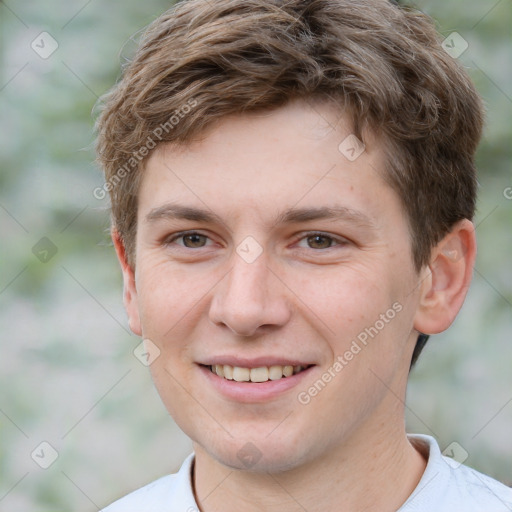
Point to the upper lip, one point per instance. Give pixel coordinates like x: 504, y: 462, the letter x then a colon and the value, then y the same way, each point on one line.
x: 255, y: 362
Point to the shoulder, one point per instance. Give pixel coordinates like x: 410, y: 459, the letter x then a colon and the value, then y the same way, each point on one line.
x: 480, y: 489
x: 175, y: 490
x: 146, y: 498
x: 448, y: 485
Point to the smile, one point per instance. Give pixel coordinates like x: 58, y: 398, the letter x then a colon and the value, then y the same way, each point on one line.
x: 260, y: 374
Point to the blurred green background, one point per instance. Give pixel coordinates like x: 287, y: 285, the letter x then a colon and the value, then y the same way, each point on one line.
x: 68, y: 375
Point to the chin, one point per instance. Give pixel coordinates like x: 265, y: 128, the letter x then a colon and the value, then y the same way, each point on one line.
x: 259, y: 455
x: 264, y: 462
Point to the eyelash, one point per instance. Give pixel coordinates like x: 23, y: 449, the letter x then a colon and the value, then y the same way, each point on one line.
x: 336, y: 240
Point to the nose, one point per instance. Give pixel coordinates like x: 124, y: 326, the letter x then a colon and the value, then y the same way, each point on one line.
x: 251, y: 299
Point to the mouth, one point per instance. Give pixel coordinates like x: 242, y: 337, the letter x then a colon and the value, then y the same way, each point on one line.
x: 255, y: 375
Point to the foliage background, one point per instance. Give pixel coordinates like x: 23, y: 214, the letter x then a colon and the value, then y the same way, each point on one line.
x: 67, y: 372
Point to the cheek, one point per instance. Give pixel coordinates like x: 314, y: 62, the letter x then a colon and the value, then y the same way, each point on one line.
x: 164, y: 292
x: 171, y: 300
x: 363, y: 312
x: 343, y: 299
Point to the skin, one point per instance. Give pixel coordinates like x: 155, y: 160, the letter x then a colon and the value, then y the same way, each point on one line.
x: 302, y: 296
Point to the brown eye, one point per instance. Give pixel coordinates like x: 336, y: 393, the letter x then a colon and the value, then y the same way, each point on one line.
x: 194, y: 240
x: 319, y: 241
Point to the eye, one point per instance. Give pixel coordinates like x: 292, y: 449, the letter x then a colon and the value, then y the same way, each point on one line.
x: 315, y: 240
x: 319, y: 241
x: 190, y: 240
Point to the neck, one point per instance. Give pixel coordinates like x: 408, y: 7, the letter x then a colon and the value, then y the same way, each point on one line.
x: 359, y: 475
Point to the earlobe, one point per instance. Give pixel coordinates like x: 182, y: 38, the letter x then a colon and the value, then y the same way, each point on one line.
x: 447, y: 279
x: 130, y: 290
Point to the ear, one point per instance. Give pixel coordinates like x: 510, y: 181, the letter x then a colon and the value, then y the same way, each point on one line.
x: 130, y: 291
x: 446, y: 280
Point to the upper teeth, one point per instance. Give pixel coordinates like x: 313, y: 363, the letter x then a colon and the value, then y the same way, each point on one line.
x: 261, y: 374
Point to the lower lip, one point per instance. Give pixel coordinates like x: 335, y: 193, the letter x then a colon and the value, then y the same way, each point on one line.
x: 253, y: 392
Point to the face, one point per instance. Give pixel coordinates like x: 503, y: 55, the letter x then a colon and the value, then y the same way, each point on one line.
x: 266, y: 251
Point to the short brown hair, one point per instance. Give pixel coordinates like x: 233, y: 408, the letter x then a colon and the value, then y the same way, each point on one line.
x: 381, y: 62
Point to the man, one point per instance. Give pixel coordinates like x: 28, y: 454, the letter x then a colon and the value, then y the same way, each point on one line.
x: 292, y: 189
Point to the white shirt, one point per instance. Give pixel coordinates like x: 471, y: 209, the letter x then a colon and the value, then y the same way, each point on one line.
x: 446, y: 486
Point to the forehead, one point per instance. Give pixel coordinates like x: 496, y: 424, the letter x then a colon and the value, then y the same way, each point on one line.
x: 300, y: 156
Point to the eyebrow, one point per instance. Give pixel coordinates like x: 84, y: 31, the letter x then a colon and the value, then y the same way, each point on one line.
x: 172, y: 211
